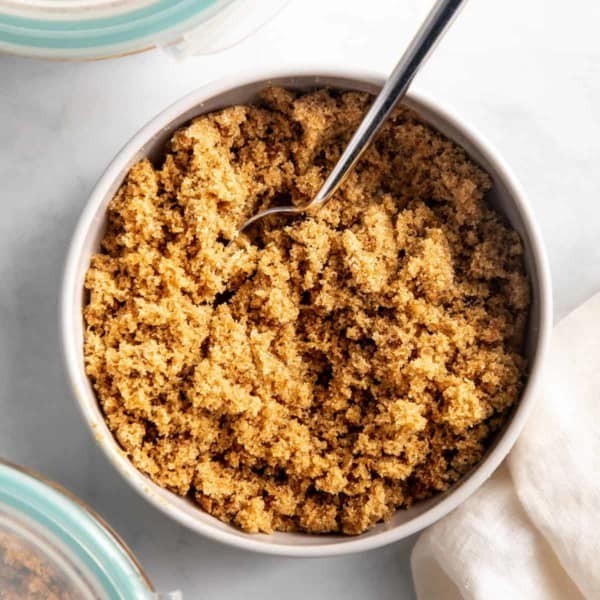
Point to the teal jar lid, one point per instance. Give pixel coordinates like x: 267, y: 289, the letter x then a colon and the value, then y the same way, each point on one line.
x: 85, y: 29
x: 48, y: 538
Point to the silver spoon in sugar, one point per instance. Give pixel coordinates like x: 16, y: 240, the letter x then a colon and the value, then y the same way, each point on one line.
x: 435, y: 25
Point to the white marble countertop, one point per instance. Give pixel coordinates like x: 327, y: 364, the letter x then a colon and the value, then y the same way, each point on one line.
x: 524, y: 73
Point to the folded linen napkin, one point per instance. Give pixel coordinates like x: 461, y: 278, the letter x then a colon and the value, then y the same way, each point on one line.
x: 533, y: 530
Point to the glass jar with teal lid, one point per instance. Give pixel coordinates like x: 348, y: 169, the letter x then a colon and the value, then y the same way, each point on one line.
x: 89, y: 29
x: 53, y: 546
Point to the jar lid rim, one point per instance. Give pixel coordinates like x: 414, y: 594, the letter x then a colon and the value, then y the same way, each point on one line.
x: 80, y: 27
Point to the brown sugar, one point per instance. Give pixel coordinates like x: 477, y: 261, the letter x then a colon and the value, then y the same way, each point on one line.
x: 26, y: 574
x: 329, y: 369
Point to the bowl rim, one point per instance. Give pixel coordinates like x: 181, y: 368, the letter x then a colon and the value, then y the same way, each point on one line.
x: 88, y: 403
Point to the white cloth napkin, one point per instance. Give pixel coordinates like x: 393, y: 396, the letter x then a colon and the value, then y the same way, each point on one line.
x: 533, y: 530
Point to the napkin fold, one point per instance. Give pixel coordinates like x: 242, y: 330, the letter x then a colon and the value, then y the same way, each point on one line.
x: 533, y: 530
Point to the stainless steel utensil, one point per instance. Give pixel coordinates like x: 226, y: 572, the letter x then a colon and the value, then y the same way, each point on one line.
x: 434, y: 26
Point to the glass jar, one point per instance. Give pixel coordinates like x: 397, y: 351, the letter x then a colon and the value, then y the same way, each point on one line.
x: 89, y: 29
x: 54, y: 546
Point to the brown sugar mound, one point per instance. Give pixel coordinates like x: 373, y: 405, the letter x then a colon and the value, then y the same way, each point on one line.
x: 328, y: 369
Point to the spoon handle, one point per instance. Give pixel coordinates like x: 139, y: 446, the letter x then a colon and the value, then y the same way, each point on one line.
x: 436, y: 23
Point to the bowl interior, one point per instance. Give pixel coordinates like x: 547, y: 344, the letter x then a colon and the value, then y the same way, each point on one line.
x: 150, y: 143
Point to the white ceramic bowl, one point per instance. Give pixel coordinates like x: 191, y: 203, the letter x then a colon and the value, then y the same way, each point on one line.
x: 508, y: 199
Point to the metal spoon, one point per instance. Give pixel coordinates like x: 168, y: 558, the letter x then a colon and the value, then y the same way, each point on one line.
x: 434, y: 26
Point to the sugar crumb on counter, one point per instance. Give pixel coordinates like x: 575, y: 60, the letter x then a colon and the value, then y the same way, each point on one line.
x: 329, y: 369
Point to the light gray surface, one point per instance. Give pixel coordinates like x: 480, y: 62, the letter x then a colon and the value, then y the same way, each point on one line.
x: 524, y: 73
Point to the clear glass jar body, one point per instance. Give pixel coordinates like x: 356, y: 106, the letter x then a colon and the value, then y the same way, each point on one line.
x: 54, y: 546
